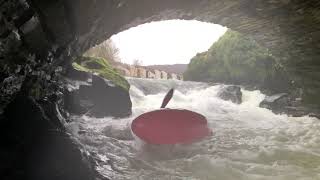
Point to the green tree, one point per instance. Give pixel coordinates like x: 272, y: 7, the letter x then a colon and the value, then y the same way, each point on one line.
x: 237, y: 59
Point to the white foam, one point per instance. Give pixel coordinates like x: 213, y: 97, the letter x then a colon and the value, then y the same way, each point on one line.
x: 249, y: 142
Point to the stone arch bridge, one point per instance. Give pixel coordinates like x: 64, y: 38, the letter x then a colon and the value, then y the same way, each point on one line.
x: 66, y: 28
x: 40, y: 35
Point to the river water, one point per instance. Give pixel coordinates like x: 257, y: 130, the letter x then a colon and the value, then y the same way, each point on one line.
x: 248, y: 142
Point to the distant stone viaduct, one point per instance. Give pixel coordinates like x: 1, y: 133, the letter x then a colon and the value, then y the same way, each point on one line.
x: 143, y: 72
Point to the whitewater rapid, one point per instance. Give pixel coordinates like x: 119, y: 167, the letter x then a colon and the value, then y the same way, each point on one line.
x: 248, y: 142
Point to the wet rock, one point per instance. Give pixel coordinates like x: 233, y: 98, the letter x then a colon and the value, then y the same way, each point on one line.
x: 109, y: 100
x: 75, y: 74
x: 39, y: 148
x: 231, y: 93
x: 52, y: 110
x: 274, y: 98
x: 290, y: 104
x: 295, y: 111
x: 75, y: 103
x: 276, y: 102
x: 315, y: 115
x: 99, y: 98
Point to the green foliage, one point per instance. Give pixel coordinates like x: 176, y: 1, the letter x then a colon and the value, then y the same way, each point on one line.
x: 235, y: 59
x: 101, y: 67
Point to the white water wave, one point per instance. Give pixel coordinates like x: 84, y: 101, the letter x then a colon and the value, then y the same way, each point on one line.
x: 249, y: 142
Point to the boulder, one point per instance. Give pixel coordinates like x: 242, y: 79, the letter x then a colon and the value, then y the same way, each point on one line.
x: 76, y: 74
x: 75, y: 102
x: 290, y: 104
x: 276, y: 102
x: 109, y: 100
x: 99, y: 98
x: 36, y: 145
x: 231, y: 93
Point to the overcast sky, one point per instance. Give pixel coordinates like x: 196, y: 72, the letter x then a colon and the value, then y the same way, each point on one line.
x: 166, y: 42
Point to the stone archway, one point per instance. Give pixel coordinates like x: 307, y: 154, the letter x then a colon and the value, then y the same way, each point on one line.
x: 66, y: 28
x: 284, y: 26
x: 289, y: 28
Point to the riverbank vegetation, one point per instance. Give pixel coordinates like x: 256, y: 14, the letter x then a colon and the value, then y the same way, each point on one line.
x: 101, y: 67
x: 237, y: 59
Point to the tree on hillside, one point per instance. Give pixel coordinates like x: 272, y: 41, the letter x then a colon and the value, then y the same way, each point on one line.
x: 237, y: 59
x: 106, y: 50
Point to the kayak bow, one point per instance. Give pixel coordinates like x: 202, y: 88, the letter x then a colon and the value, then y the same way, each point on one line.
x: 170, y: 126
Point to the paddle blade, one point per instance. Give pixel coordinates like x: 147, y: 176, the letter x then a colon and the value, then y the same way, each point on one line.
x: 167, y: 98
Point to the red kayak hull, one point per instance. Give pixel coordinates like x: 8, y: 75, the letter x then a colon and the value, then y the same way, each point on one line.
x: 170, y: 126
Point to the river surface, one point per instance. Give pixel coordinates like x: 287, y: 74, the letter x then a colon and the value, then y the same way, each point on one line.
x: 248, y: 142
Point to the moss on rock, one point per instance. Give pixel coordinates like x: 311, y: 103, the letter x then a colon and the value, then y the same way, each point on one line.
x: 101, y: 67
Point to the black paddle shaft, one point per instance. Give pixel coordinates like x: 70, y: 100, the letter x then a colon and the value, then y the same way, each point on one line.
x: 167, y: 98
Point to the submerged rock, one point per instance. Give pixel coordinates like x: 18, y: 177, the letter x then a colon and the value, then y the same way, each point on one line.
x: 231, y: 93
